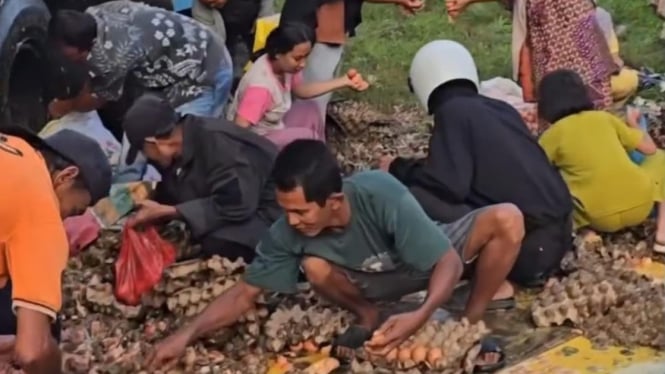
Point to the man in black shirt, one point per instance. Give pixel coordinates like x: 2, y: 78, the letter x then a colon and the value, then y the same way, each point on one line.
x: 215, y: 176
x: 481, y: 153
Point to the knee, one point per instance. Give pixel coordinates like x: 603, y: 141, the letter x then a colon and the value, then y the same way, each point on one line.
x: 508, y: 221
x: 316, y: 269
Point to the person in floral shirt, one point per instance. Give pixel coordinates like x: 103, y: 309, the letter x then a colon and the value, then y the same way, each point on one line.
x: 158, y: 49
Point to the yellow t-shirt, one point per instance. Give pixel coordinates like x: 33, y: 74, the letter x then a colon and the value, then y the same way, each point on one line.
x: 590, y: 150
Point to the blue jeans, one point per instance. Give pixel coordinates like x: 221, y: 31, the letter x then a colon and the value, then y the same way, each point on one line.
x: 210, y: 104
x: 213, y: 100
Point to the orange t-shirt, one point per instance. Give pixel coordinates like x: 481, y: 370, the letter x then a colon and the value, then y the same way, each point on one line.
x: 33, y: 242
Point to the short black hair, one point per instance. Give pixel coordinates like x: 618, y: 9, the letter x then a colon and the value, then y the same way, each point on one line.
x: 562, y: 93
x: 311, y: 165
x: 64, y: 79
x: 55, y: 162
x: 73, y: 28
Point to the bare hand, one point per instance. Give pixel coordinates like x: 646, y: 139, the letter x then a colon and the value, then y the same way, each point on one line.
x: 456, y: 7
x: 355, y: 81
x: 410, y: 7
x: 150, y: 211
x: 633, y: 115
x: 168, y: 351
x: 385, y: 162
x: 7, y: 343
x: 394, y: 331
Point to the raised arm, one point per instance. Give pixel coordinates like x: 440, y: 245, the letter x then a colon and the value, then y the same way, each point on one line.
x: 351, y: 79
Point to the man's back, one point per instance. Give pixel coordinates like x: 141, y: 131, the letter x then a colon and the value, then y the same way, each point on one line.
x: 508, y: 164
x: 231, y: 166
x: 33, y: 243
x: 160, y: 48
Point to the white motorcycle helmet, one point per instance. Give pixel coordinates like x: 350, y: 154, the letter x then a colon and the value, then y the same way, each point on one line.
x: 439, y: 62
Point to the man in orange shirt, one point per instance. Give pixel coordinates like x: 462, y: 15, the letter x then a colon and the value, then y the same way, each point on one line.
x: 44, y: 181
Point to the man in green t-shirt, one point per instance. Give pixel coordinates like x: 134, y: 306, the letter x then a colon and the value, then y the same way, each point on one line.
x: 359, y: 240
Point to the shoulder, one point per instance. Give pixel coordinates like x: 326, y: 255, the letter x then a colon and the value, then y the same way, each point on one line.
x: 376, y: 182
x: 280, y: 237
x: 258, y: 73
x: 375, y: 187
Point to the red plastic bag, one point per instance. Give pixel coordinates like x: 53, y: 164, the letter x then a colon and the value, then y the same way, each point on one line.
x: 143, y: 257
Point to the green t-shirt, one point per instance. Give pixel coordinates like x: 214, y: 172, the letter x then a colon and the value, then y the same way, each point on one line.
x: 388, y: 229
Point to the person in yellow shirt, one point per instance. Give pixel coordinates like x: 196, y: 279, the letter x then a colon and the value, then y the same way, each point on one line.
x: 590, y: 149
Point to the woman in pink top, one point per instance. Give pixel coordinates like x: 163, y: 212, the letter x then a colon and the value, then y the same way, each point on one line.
x: 263, y: 100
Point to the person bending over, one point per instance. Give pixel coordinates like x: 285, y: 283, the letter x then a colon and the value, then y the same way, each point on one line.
x: 160, y: 50
x: 590, y: 149
x: 481, y: 153
x: 352, y: 237
x: 44, y: 181
x: 215, y: 176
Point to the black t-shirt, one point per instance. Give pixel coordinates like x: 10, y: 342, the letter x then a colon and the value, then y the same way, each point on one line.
x: 240, y: 15
x: 305, y: 11
x: 481, y: 153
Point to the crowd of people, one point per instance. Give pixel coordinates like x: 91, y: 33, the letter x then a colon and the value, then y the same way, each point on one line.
x: 245, y: 165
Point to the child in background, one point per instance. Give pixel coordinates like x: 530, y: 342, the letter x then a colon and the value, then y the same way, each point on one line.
x: 590, y: 148
x: 263, y: 101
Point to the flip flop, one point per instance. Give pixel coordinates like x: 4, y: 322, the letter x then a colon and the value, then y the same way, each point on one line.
x: 461, y: 294
x: 659, y: 247
x: 344, y: 346
x: 490, y: 345
x: 355, y: 337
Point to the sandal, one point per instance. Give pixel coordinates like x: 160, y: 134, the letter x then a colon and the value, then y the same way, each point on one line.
x: 490, y: 345
x: 344, y: 346
x: 353, y: 338
x: 461, y: 295
x: 659, y: 247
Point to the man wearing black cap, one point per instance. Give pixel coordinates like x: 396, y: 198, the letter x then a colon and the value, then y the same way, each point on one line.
x: 44, y: 182
x: 215, y: 176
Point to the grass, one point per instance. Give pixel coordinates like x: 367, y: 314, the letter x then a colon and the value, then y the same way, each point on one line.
x: 387, y: 40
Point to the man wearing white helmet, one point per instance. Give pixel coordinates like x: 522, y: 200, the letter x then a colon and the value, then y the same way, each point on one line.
x: 481, y: 153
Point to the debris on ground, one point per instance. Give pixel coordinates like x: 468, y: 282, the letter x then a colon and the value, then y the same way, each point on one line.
x: 601, y: 293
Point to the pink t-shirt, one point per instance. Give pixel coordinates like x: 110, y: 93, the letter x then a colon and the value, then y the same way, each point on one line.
x: 257, y: 99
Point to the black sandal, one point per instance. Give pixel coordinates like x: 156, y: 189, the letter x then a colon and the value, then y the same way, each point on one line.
x: 490, y: 345
x: 344, y: 346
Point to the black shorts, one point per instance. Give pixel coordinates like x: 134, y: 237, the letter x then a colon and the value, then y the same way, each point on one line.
x: 8, y: 318
x: 543, y: 248
x: 392, y: 285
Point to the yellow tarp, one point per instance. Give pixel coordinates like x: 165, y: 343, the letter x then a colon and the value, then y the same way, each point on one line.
x: 578, y: 357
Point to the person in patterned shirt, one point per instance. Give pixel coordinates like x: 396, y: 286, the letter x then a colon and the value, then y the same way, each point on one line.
x: 160, y: 50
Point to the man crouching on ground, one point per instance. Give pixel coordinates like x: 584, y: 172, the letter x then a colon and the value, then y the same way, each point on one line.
x: 44, y: 182
x: 352, y: 238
